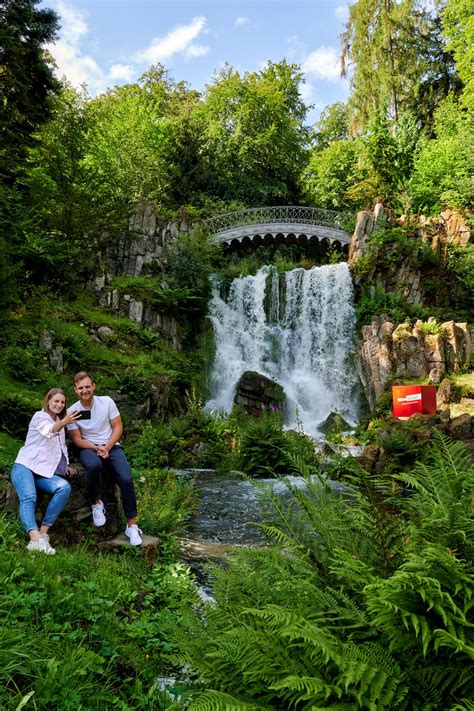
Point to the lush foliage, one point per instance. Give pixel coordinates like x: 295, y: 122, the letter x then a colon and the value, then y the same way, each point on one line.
x: 367, y: 607
x: 78, y: 628
x: 165, y: 501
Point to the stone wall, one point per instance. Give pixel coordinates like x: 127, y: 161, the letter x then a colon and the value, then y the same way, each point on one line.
x: 143, y: 250
x: 387, y: 351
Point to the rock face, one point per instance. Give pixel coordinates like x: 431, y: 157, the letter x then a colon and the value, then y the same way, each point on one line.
x: 387, y: 352
x: 403, y: 276
x: 257, y: 393
x: 144, y: 250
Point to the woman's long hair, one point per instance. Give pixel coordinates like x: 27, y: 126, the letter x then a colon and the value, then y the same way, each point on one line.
x: 47, y: 398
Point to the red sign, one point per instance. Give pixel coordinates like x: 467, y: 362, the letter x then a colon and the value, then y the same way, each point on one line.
x: 409, y: 399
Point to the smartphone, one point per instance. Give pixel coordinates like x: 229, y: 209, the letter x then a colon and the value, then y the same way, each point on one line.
x: 84, y: 415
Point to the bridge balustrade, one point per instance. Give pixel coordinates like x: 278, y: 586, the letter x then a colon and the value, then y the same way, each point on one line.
x: 279, y: 220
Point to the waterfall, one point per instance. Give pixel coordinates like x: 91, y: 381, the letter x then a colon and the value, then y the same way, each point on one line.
x: 300, y: 333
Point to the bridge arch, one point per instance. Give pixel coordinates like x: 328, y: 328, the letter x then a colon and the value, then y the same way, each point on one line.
x: 279, y: 224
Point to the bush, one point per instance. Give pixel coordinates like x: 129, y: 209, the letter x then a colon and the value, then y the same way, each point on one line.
x: 15, y: 414
x: 263, y: 447
x: 165, y: 500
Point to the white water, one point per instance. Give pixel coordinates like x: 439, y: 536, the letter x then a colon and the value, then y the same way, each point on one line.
x: 306, y: 343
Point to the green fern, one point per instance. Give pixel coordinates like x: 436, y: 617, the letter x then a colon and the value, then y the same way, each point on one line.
x: 363, y: 602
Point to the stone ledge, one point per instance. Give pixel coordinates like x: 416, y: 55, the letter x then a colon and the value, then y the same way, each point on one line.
x: 150, y: 543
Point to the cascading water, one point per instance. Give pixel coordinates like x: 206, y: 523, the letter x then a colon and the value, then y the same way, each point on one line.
x: 301, y: 336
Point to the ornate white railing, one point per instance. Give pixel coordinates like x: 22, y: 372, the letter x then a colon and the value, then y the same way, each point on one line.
x: 285, y: 214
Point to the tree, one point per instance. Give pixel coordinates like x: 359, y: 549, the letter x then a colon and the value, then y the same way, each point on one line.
x: 330, y: 174
x: 253, y: 138
x: 458, y: 27
x: 26, y: 87
x: 381, y: 44
x: 440, y: 78
x: 442, y: 172
x: 332, y: 125
x: 126, y: 148
x: 26, y: 78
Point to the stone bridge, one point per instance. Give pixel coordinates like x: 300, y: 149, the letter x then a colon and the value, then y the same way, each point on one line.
x: 290, y: 224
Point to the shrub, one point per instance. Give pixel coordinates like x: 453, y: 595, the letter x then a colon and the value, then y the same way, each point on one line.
x: 262, y: 447
x: 15, y: 414
x: 165, y: 500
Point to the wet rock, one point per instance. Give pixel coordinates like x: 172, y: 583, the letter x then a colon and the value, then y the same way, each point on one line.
x: 257, y: 393
x: 334, y: 423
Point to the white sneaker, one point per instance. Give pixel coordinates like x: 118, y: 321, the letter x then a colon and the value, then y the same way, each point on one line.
x: 133, y: 532
x: 98, y: 514
x: 33, y: 545
x: 43, y: 545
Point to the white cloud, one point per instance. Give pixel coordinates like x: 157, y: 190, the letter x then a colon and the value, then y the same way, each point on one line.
x: 78, y: 68
x: 121, y: 71
x: 196, y: 50
x: 307, y: 92
x: 73, y: 23
x: 323, y: 63
x: 342, y: 13
x: 241, y: 21
x: 177, y: 41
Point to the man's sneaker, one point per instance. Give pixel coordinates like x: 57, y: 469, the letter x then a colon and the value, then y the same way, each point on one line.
x: 133, y: 533
x: 43, y: 545
x: 98, y: 514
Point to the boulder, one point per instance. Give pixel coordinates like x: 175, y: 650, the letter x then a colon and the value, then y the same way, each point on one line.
x: 445, y: 394
x: 460, y: 427
x: 334, y: 423
x: 54, y: 352
x: 436, y: 376
x: 256, y: 393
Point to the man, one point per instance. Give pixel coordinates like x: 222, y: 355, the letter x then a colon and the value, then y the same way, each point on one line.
x: 97, y: 439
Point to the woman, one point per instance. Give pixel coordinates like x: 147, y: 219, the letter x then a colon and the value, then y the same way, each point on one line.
x: 39, y: 462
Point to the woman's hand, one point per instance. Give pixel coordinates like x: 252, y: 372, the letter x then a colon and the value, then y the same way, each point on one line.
x: 70, y: 471
x: 71, y: 417
x: 68, y: 419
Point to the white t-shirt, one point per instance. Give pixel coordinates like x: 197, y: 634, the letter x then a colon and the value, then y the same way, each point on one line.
x: 98, y: 429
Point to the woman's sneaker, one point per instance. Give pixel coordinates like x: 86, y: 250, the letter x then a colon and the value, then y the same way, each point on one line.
x: 33, y: 545
x: 133, y: 533
x: 98, y: 514
x: 43, y: 545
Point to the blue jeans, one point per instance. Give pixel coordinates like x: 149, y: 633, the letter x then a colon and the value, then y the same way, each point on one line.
x: 27, y: 483
x: 116, y: 463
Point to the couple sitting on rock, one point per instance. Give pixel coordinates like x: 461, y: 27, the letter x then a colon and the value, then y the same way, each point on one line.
x: 43, y: 460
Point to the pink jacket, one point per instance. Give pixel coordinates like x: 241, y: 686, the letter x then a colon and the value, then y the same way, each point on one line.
x: 43, y: 448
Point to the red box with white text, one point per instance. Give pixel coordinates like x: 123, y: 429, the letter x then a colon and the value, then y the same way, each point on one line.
x: 410, y: 399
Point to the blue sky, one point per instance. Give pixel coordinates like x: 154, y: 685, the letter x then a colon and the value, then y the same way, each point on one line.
x: 107, y: 42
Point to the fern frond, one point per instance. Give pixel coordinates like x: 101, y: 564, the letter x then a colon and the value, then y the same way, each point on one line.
x: 212, y: 700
